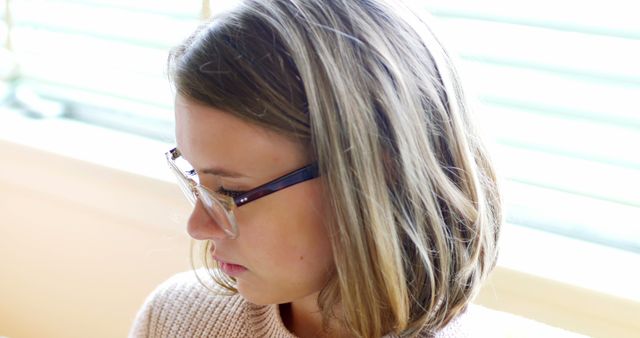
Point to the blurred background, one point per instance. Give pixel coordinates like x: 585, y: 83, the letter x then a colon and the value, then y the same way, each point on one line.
x: 90, y: 220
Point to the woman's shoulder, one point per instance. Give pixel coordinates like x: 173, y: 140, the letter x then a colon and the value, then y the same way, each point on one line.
x: 183, y: 307
x: 479, y: 321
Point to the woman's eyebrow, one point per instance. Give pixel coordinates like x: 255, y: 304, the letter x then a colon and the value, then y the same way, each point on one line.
x: 221, y: 172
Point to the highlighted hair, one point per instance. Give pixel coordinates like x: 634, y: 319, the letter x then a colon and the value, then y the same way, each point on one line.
x: 368, y: 88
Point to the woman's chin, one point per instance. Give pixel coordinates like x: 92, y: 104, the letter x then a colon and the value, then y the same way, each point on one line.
x: 254, y: 296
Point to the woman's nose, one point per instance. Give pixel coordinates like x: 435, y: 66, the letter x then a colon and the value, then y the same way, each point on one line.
x: 201, y: 226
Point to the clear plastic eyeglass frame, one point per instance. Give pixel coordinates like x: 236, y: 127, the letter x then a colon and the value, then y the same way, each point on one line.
x: 221, y: 207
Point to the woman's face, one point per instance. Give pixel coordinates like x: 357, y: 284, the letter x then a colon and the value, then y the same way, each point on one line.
x: 282, y: 238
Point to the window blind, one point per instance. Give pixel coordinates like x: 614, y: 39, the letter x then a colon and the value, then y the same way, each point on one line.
x: 557, y: 84
x: 104, y: 60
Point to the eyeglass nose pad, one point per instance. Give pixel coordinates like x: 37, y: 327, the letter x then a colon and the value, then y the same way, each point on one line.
x: 202, y: 225
x: 224, y: 220
x: 233, y: 233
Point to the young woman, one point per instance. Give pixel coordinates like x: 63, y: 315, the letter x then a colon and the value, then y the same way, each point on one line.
x: 338, y: 183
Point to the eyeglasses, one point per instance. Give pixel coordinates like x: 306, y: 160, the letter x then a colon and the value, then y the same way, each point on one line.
x: 219, y: 206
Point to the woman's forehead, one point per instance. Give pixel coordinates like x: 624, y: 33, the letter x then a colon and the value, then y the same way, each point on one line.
x: 211, y: 138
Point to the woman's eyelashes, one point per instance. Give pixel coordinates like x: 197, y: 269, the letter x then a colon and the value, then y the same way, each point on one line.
x: 230, y: 193
x: 215, y: 186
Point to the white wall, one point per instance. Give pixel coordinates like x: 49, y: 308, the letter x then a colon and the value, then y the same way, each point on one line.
x: 81, y: 245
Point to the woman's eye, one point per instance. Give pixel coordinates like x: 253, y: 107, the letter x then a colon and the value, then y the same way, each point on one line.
x: 230, y: 193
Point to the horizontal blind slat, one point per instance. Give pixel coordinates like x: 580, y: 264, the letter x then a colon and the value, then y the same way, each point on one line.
x: 554, y: 93
x: 61, y: 49
x: 572, y: 215
x: 581, y: 139
x: 107, y: 23
x: 572, y: 175
x: 589, y: 56
x: 178, y: 9
x: 612, y: 18
x: 149, y: 90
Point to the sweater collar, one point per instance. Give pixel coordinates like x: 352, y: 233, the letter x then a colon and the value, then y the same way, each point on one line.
x: 265, y: 321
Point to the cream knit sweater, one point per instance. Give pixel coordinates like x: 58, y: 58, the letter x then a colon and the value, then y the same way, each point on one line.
x: 181, y: 307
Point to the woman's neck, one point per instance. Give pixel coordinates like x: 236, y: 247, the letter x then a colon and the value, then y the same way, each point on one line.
x: 304, y: 319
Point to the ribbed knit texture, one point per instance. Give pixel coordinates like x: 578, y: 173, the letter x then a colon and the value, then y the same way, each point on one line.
x: 182, y: 307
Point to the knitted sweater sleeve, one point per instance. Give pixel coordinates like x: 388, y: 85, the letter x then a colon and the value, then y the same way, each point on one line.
x: 181, y: 307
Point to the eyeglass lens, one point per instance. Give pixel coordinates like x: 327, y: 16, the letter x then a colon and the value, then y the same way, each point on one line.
x: 214, y: 208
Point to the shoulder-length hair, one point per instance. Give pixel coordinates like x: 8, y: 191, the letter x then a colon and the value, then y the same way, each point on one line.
x: 373, y: 95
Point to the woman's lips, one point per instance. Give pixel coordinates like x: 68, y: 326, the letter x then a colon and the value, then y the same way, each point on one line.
x: 230, y: 269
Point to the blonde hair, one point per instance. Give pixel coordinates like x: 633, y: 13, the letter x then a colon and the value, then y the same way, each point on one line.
x: 371, y: 92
